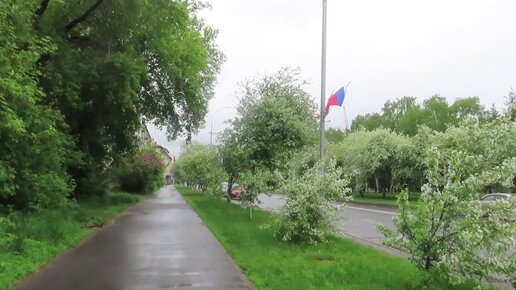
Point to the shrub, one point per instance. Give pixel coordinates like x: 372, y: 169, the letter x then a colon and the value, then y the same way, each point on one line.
x: 310, y: 212
x: 142, y: 174
x: 6, y: 237
x: 255, y: 183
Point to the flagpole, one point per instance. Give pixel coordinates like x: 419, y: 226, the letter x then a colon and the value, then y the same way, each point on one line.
x: 344, y: 109
x: 323, y: 84
x: 345, y: 118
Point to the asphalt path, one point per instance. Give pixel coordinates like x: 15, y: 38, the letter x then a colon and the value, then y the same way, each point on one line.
x: 160, y: 243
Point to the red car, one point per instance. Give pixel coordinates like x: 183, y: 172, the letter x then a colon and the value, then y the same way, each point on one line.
x: 236, y: 192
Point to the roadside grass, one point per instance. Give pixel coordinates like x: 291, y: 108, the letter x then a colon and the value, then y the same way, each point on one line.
x: 390, y: 199
x: 272, y: 264
x: 40, y: 236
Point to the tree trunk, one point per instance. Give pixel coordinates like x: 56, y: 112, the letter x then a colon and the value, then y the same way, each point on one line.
x: 230, y: 188
x: 377, y: 182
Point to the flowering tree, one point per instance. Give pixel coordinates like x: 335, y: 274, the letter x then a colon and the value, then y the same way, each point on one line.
x: 450, y: 232
x: 199, y: 166
x: 311, y: 212
x: 255, y: 183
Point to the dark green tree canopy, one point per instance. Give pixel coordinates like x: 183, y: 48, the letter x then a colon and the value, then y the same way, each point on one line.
x: 79, y: 77
x: 118, y: 62
x: 405, y: 115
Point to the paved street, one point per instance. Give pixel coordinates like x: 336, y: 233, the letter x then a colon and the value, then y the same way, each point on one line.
x: 159, y: 244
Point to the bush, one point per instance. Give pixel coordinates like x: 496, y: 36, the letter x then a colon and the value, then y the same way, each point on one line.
x: 142, y: 174
x: 310, y: 212
x: 6, y: 237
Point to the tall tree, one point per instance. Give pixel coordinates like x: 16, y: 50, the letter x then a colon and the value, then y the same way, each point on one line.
x: 510, y: 103
x: 275, y: 120
x: 117, y: 62
x: 34, y: 151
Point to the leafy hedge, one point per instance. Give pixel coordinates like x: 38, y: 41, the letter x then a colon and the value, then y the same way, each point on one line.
x: 142, y: 173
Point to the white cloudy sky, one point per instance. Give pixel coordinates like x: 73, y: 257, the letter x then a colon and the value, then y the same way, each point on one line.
x: 388, y: 49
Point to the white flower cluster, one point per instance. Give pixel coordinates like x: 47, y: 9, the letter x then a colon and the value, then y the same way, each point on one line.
x: 310, y: 212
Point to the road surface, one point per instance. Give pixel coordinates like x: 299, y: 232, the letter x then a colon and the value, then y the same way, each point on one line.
x: 160, y: 243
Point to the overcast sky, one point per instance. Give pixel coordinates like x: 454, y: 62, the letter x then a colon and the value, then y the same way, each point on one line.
x: 388, y: 49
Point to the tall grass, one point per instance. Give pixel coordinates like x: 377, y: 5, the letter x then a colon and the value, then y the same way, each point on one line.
x: 41, y: 235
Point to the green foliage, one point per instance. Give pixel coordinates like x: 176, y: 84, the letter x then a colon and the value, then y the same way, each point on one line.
x: 450, y: 232
x: 405, y: 115
x: 510, y: 102
x: 255, y: 183
x: 334, y: 135
x: 76, y: 80
x: 234, y: 158
x: 198, y: 165
x: 383, y: 158
x: 6, y: 237
x: 310, y: 213
x: 275, y: 120
x: 388, y: 162
x: 272, y: 264
x: 34, y: 150
x: 142, y: 173
x: 117, y: 62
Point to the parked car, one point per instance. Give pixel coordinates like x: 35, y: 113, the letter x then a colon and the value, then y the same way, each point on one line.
x: 489, y: 200
x: 493, y: 197
x: 237, y: 191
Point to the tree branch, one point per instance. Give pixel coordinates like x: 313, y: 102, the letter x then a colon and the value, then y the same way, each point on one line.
x: 42, y: 7
x: 83, y: 17
x: 83, y: 40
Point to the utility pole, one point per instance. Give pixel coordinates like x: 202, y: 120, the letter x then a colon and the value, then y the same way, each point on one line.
x: 323, y: 83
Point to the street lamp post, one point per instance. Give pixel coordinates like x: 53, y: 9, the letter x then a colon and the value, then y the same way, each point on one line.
x: 323, y: 83
x: 211, y: 129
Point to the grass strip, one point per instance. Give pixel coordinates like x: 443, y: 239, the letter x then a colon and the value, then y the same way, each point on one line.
x: 272, y: 264
x: 377, y: 198
x: 42, y: 235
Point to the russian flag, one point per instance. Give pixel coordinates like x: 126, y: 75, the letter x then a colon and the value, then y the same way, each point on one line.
x: 336, y: 99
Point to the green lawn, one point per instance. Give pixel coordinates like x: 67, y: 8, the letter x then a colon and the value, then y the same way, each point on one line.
x: 376, y: 198
x: 41, y: 236
x: 271, y: 264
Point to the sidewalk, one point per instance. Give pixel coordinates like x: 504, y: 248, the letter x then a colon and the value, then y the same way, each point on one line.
x: 160, y: 243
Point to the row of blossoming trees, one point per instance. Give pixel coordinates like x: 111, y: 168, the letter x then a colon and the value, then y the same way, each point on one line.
x: 271, y: 146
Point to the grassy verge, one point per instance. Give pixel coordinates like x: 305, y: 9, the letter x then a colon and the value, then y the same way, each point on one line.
x: 271, y: 264
x: 37, y: 237
x: 376, y: 198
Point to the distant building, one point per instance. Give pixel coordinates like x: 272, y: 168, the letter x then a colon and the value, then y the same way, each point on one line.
x: 145, y: 140
x: 164, y: 154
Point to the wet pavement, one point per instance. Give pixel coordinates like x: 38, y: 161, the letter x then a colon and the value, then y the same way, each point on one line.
x: 160, y: 243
